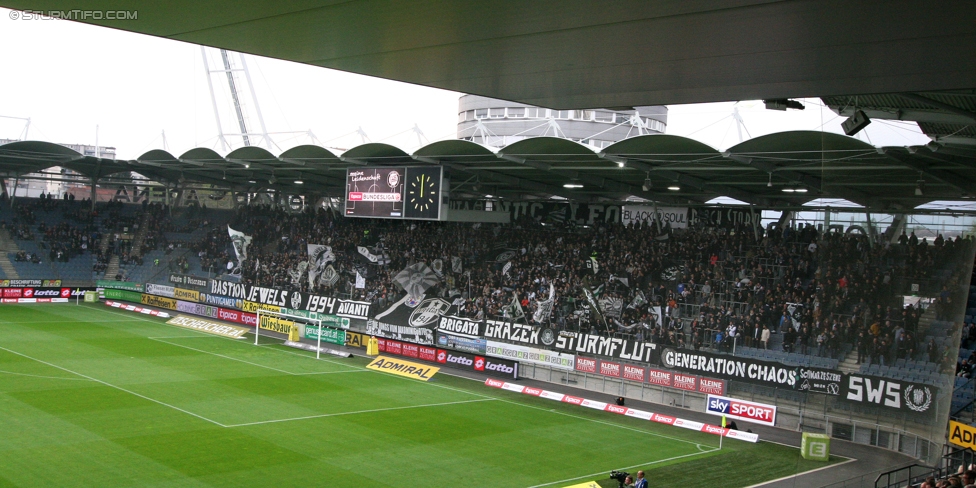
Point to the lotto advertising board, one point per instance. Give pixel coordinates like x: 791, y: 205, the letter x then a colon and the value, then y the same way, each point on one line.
x: 453, y: 359
x: 759, y: 413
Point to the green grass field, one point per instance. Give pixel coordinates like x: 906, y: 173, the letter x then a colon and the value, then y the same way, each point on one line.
x: 96, y: 397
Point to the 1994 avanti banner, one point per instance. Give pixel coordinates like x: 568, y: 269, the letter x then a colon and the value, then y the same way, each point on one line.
x: 291, y: 299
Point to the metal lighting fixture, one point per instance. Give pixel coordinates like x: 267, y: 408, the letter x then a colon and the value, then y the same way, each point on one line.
x: 919, y: 186
x: 769, y: 184
x: 573, y: 184
x: 647, y: 182
x: 800, y: 190
x: 272, y: 180
x: 787, y: 190
x: 674, y: 187
x: 855, y: 123
x: 782, y: 104
x: 299, y: 182
x: 253, y: 182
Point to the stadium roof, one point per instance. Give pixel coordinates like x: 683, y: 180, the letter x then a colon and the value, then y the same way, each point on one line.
x: 781, y: 169
x: 583, y: 54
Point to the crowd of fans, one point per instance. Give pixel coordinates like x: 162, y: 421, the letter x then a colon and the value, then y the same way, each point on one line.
x: 706, y: 287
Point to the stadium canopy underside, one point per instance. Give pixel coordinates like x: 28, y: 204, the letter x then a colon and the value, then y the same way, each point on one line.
x: 583, y: 54
x: 783, y: 169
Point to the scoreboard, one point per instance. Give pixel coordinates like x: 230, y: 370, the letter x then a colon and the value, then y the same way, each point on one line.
x: 394, y: 192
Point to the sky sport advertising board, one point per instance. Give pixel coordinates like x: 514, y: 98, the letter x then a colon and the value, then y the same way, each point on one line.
x: 734, y: 408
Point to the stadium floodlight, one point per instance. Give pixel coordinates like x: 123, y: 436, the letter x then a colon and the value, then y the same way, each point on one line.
x: 782, y: 104
x: 855, y: 123
x: 573, y: 184
x: 647, y: 182
x: 674, y: 188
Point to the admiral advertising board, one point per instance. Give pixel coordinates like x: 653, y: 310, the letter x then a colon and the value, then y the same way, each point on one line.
x: 351, y: 309
x: 887, y: 393
x: 759, y: 413
x: 767, y: 373
x: 189, y: 295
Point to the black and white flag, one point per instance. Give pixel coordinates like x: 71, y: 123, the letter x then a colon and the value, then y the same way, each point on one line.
x: 438, y: 265
x: 507, y: 268
x: 456, y: 264
x: 639, y: 300
x: 329, y: 277
x: 241, y: 242
x: 319, y: 257
x: 544, y: 307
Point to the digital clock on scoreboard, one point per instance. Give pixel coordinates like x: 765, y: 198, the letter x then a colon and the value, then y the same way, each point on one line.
x: 394, y: 192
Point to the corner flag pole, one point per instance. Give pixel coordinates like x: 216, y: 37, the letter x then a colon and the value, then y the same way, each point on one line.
x: 722, y: 437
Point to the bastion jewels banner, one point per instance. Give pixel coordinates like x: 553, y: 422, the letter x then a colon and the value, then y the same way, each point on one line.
x: 291, y: 299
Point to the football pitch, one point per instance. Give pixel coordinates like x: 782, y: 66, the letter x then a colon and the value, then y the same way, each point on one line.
x: 97, y: 397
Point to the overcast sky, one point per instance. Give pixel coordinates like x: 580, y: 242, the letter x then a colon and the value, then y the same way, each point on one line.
x: 69, y: 77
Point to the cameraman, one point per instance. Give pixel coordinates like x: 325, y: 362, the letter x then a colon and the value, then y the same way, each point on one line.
x: 629, y: 482
x: 641, y: 482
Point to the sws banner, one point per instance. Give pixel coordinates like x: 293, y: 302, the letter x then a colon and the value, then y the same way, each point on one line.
x: 292, y: 299
x: 751, y: 370
x: 901, y: 396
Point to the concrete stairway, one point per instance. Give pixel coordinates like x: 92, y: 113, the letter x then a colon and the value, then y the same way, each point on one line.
x: 7, y: 245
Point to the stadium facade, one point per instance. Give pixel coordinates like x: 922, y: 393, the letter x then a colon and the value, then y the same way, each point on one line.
x: 498, y: 123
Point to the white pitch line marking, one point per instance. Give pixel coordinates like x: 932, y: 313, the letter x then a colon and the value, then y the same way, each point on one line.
x: 248, y: 362
x: 201, y: 417
x: 623, y: 468
x: 359, y: 412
